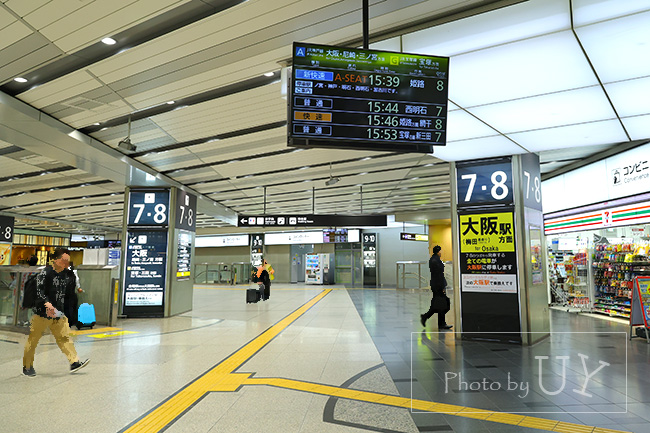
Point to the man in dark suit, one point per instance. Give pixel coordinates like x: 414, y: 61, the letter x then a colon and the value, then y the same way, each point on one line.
x: 440, y: 302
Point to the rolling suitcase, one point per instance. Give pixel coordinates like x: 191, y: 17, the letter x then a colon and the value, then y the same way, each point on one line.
x: 86, y: 316
x: 252, y: 295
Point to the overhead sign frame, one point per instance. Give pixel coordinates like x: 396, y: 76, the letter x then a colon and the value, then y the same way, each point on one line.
x: 367, y: 99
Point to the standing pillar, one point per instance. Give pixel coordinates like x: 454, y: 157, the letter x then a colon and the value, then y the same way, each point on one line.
x: 500, y: 263
x: 158, y: 247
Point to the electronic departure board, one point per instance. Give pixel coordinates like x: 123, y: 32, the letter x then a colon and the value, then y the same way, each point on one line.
x: 367, y: 99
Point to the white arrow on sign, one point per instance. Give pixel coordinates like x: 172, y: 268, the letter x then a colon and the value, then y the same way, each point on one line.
x: 243, y: 220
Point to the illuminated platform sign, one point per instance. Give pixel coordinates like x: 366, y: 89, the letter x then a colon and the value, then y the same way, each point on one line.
x: 367, y: 99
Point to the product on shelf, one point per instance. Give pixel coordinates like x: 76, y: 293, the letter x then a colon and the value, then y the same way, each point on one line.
x: 615, y: 267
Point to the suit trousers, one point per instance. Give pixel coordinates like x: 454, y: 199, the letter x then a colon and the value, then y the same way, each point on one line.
x: 441, y: 314
x: 61, y: 331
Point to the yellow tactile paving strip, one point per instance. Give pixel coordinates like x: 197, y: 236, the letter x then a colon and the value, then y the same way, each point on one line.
x: 219, y: 378
x: 428, y: 406
x: 222, y: 378
x: 95, y: 331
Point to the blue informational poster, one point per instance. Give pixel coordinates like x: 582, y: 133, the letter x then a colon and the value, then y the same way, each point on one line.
x: 144, y: 276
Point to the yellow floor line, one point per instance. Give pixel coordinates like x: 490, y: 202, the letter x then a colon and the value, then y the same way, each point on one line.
x: 219, y: 378
x: 112, y: 334
x: 441, y: 408
x: 302, y: 289
x: 95, y: 331
x: 222, y: 378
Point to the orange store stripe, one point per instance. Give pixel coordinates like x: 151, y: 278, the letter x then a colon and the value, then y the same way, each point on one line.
x: 631, y: 209
x: 570, y: 226
x: 572, y: 219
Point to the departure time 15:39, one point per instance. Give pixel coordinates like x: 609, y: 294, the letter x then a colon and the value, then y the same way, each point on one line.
x: 384, y: 80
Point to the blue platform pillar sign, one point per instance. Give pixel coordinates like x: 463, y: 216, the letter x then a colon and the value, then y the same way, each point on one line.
x: 499, y: 283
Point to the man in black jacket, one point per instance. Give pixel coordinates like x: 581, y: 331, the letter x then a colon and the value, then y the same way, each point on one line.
x: 440, y: 302
x: 55, y: 286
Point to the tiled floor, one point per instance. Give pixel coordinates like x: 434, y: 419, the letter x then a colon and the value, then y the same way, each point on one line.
x: 366, y: 340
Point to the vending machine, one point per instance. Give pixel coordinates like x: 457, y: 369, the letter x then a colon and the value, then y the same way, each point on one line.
x: 313, y: 269
x: 319, y: 268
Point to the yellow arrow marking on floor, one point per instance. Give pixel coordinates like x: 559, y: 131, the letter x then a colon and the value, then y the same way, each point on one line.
x: 219, y: 378
x: 94, y: 331
x: 222, y: 378
x: 428, y: 406
x: 112, y: 334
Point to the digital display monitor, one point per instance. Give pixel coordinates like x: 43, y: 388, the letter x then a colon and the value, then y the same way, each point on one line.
x: 335, y: 236
x: 367, y: 99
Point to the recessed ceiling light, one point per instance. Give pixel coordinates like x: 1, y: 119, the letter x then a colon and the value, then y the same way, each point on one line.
x: 170, y: 102
x: 20, y: 79
x: 96, y: 123
x: 269, y: 74
x: 109, y: 41
x: 363, y: 174
x: 366, y: 158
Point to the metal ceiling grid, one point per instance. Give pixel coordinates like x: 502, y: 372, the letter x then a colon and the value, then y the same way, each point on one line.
x: 243, y: 110
x: 40, y: 32
x: 239, y: 147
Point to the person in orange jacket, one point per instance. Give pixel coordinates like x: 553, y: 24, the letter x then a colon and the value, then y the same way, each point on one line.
x: 265, y: 275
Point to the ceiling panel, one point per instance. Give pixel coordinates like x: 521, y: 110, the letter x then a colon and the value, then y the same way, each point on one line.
x: 638, y: 127
x: 585, y: 134
x: 625, y: 96
x: 620, y: 48
x: 547, y: 111
x: 13, y: 33
x: 535, y: 66
x: 479, y: 148
x: 501, y: 26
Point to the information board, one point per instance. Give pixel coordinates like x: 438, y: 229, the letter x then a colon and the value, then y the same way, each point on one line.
x: 6, y: 229
x: 148, y: 208
x: 485, y: 182
x: 144, y: 276
x: 184, y: 255
x: 488, y: 262
x: 367, y: 99
x: 185, y: 210
x: 257, y: 249
x: 311, y: 220
x: 335, y: 236
x: 369, y: 259
x: 414, y: 237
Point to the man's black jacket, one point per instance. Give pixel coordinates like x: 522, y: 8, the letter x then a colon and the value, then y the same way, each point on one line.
x: 438, y: 282
x: 58, y: 288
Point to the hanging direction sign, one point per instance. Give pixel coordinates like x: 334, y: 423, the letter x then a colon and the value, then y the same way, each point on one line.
x: 311, y: 221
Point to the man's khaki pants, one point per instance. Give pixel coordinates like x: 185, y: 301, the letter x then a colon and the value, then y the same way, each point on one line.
x: 61, y: 332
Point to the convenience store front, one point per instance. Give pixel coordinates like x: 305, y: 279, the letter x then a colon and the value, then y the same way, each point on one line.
x: 597, y: 226
x: 594, y: 257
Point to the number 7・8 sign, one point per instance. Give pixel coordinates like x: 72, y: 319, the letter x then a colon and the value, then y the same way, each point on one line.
x: 148, y: 208
x: 484, y: 182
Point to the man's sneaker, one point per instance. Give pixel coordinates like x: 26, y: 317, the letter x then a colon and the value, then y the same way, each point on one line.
x: 29, y: 371
x: 75, y: 366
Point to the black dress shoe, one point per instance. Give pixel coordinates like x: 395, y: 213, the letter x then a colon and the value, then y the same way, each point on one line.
x: 423, y: 321
x: 446, y: 327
